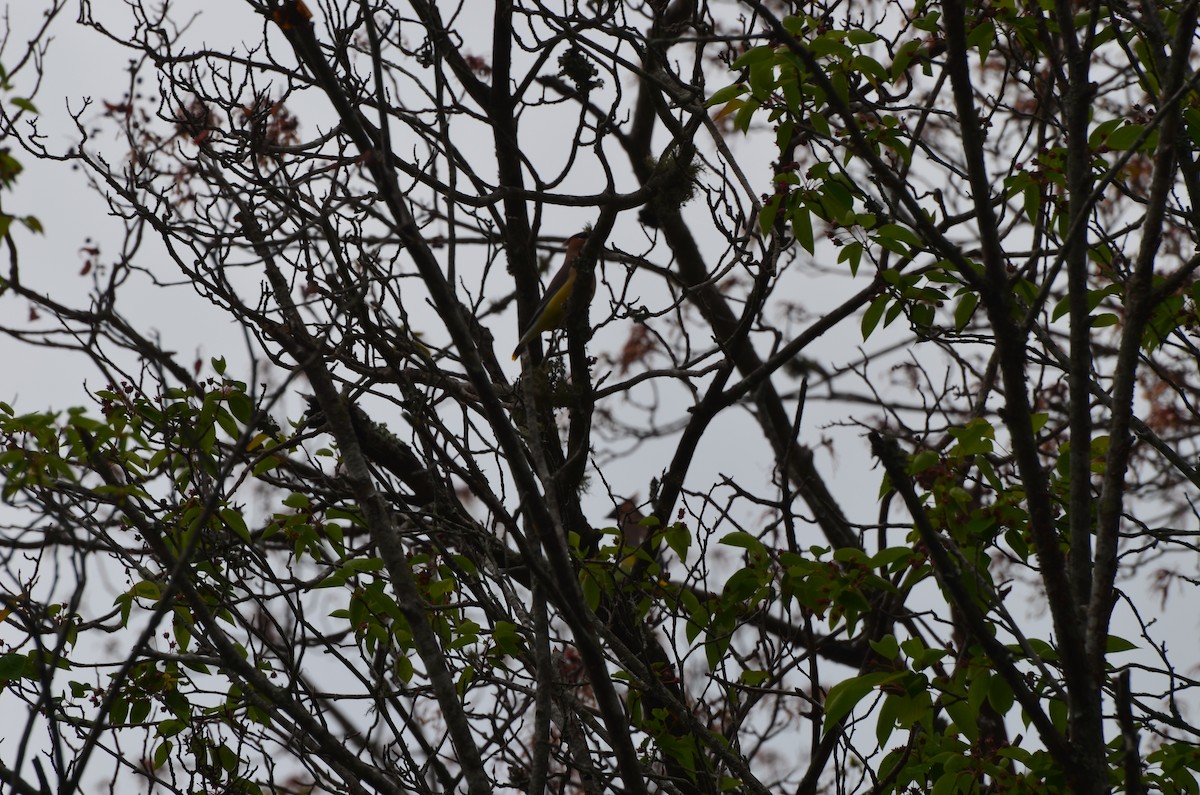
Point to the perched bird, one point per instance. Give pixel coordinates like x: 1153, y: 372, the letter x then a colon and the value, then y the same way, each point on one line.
x: 629, y: 522
x: 553, y: 307
x: 634, y: 530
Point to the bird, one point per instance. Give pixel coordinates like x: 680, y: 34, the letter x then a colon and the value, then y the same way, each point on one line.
x: 552, y: 310
x: 629, y: 521
x: 634, y: 528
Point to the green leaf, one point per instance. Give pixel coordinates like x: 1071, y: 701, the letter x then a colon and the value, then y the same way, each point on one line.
x: 965, y: 719
x: 725, y: 94
x: 118, y: 711
x: 845, y: 695
x: 860, y: 36
x: 744, y: 541
x: 754, y: 678
x: 965, y: 310
x: 296, y: 500
x: 829, y: 45
x: 916, y: 707
x: 838, y: 201
x: 1192, y: 118
x: 679, y: 539
x: 1124, y: 137
x: 762, y: 79
x: 1059, y: 712
x: 1000, y: 695
x: 697, y: 615
x: 140, y: 711
x: 1101, y: 132
x: 1116, y: 644
x: 171, y: 727
x: 1061, y: 307
x: 161, y: 753
x: 974, y: 438
x: 741, y: 586
x: 898, y: 233
x: 12, y: 666
x: 795, y: 25
x: 404, y: 669
x: 754, y: 55
x: 715, y: 649
x: 801, y: 219
x: 871, y: 68
x: 886, y: 647
x: 236, y: 522
x: 1039, y: 420
x: 182, y: 628
x: 952, y: 783
x: 885, y: 719
x: 923, y: 460
x: 745, y: 115
x: 10, y: 167
x: 891, y: 555
x: 146, y: 589
x: 591, y: 590
x: 364, y: 565
x: 766, y: 219
x: 852, y: 254
x: 1033, y: 201
x: 982, y: 38
x: 873, y: 314
x: 977, y: 690
x: 226, y: 758
x: 819, y: 123
x: 904, y: 57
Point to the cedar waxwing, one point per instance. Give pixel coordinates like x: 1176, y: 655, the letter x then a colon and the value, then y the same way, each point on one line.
x: 629, y: 522
x: 553, y: 308
x: 633, y: 533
